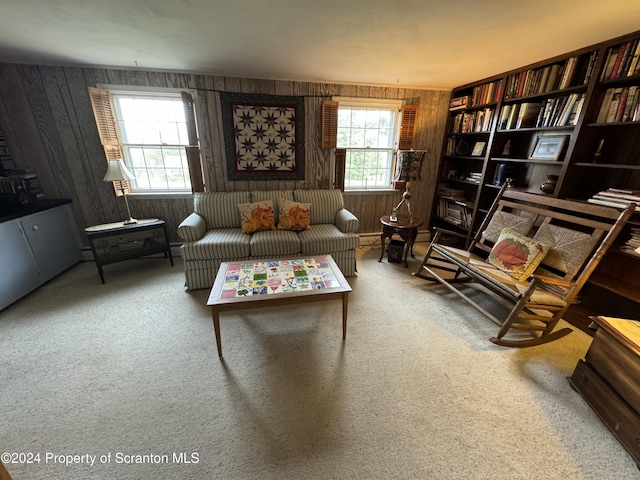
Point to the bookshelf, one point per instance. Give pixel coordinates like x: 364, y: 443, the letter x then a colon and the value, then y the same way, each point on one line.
x: 574, y: 117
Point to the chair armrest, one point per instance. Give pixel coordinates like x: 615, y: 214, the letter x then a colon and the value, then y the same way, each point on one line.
x: 192, y: 228
x: 449, y: 232
x: 553, y: 280
x: 346, y: 221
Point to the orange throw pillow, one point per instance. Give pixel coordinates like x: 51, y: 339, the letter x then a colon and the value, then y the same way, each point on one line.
x: 257, y: 217
x: 293, y: 215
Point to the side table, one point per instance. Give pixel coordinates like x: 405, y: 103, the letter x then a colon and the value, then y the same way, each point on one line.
x: 406, y: 227
x: 115, y: 242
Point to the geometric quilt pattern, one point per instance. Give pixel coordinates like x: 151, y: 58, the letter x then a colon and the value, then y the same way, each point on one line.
x: 264, y: 136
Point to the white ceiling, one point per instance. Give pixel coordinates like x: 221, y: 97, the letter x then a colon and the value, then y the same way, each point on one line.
x: 420, y: 43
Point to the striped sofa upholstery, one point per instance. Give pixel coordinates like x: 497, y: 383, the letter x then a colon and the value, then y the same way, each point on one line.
x: 212, y: 235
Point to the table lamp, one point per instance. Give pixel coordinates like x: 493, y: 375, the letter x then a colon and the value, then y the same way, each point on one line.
x: 408, y: 168
x: 118, y: 172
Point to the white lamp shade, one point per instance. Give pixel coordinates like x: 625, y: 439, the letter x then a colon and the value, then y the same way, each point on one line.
x: 117, y: 171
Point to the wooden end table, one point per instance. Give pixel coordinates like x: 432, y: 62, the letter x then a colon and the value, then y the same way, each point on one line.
x: 115, y: 242
x: 406, y: 227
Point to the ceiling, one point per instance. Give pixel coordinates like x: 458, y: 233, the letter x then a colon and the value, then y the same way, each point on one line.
x: 418, y: 43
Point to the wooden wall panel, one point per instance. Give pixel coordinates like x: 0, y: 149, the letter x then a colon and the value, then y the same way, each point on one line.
x: 47, y: 118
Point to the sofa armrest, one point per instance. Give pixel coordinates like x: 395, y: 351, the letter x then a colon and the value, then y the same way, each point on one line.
x: 192, y: 228
x: 346, y: 221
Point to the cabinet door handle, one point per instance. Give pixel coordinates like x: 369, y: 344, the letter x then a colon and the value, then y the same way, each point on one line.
x: 35, y: 228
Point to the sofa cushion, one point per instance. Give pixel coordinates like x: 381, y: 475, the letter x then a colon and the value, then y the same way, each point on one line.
x: 256, y: 217
x: 326, y: 238
x: 325, y: 204
x: 293, y: 215
x: 220, y: 209
x: 516, y: 254
x: 274, y: 243
x: 218, y: 243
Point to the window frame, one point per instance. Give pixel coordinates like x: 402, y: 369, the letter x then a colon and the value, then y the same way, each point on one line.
x: 112, y: 139
x: 382, y: 104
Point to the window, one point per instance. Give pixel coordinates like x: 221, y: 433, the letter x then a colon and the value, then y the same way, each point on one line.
x: 154, y: 133
x: 369, y: 132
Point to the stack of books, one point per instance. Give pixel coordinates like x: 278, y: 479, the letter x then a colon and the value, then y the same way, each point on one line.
x: 25, y: 180
x: 633, y: 244
x: 474, y: 177
x: 445, y: 190
x: 616, y: 197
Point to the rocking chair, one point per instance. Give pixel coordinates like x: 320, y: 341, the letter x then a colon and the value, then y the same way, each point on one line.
x: 568, y: 237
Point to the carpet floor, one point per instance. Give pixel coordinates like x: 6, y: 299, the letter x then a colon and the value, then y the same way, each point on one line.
x: 122, y: 381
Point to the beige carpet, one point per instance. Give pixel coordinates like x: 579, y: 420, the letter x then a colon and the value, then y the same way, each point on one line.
x: 127, y: 372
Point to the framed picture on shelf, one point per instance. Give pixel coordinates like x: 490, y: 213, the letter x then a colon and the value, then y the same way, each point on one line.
x: 478, y: 148
x: 548, y: 148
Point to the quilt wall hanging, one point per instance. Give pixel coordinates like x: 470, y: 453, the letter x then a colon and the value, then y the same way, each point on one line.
x: 263, y: 136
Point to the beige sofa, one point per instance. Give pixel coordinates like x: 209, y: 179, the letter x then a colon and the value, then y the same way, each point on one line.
x: 212, y: 234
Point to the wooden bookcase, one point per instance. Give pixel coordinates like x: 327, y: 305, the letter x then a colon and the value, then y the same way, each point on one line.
x: 547, y: 120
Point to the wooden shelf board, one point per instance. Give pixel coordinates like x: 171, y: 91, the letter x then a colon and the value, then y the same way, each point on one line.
x: 614, y: 285
x: 614, y: 166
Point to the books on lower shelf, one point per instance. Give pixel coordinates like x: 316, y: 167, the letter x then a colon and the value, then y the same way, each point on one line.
x: 616, y: 197
x: 632, y: 245
x: 456, y: 213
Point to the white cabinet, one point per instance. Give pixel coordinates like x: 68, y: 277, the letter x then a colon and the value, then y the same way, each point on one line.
x: 35, y: 248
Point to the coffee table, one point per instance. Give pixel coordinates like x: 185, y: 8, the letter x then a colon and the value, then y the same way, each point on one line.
x: 261, y: 283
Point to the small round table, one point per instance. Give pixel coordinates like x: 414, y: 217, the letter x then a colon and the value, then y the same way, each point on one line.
x: 406, y: 227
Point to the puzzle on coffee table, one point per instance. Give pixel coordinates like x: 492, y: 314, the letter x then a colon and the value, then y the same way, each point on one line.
x: 245, y: 279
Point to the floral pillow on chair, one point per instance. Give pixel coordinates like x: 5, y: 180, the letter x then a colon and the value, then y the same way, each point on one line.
x: 517, y: 255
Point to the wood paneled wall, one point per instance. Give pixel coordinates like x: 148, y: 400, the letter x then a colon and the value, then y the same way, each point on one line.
x: 46, y: 115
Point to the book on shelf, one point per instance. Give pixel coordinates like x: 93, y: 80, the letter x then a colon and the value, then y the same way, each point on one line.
x: 555, y: 70
x: 622, y: 60
x: 459, y: 103
x: 567, y: 74
x: 632, y: 245
x: 620, y: 105
x: 454, y: 213
x: 633, y: 64
x: 610, y: 60
x: 618, y: 198
x: 528, y: 115
x: 575, y: 112
x: 474, y: 177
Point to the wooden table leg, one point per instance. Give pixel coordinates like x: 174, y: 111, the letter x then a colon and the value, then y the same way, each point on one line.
x: 382, y: 241
x: 345, y: 303
x: 410, y: 239
x: 216, y: 326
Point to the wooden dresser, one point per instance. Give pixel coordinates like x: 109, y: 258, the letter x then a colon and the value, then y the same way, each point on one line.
x: 609, y: 379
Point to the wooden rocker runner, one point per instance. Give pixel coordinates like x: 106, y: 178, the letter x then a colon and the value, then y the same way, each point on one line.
x: 531, y: 252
